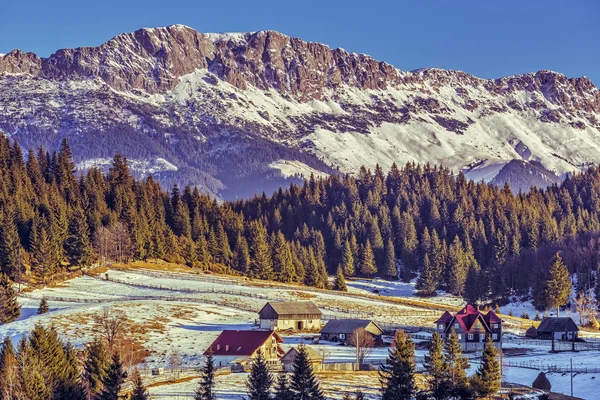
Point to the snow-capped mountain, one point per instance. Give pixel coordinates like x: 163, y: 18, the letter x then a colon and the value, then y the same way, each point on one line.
x: 237, y: 113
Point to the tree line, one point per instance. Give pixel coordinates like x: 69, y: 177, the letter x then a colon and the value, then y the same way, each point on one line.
x: 471, y: 239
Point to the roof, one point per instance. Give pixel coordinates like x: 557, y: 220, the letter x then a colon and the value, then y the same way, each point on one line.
x: 240, y: 343
x: 293, y: 308
x: 470, y: 317
x: 336, y: 326
x: 556, y: 324
x: 312, y: 354
x: 446, y: 317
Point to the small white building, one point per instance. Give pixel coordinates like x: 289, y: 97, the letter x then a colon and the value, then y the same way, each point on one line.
x: 290, y: 315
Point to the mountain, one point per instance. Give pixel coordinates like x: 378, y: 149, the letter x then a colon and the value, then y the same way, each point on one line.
x: 239, y: 113
x: 522, y: 175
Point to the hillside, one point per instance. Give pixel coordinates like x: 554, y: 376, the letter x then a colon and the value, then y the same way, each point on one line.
x: 223, y: 110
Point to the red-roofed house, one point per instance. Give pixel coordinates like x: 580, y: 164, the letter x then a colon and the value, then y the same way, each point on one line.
x: 472, y: 327
x: 240, y: 347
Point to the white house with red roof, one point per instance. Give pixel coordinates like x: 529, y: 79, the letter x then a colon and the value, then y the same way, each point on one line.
x: 472, y: 326
x: 238, y: 348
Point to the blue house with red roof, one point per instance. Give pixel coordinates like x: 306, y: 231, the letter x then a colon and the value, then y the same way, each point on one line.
x: 472, y: 326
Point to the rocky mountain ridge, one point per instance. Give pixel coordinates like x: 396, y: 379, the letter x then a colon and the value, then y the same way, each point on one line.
x: 200, y: 101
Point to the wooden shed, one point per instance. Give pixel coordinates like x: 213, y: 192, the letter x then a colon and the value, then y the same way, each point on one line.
x: 288, y: 358
x: 290, y: 315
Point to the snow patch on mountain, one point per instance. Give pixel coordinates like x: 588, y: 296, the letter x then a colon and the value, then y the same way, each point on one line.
x: 294, y: 168
x: 143, y: 167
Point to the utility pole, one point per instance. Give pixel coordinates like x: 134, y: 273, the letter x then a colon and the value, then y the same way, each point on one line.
x: 571, y: 377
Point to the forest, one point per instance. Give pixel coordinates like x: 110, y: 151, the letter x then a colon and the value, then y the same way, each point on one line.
x: 471, y: 239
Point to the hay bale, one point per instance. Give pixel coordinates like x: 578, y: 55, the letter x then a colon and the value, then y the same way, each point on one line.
x: 531, y: 332
x: 542, y: 383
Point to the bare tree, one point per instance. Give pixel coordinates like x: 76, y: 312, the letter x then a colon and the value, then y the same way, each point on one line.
x: 585, y: 307
x: 175, y: 361
x: 113, y: 243
x: 363, y: 343
x: 102, y: 244
x: 110, y: 324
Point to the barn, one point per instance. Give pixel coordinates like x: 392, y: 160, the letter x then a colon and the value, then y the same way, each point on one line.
x: 240, y: 347
x: 563, y: 328
x: 290, y: 315
x: 340, y: 330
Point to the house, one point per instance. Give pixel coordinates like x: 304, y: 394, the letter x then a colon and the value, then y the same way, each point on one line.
x: 314, y: 358
x: 563, y: 328
x: 240, y: 347
x: 290, y: 315
x: 340, y: 330
x: 472, y: 327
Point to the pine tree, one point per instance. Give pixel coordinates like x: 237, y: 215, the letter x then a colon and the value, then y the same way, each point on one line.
x: 304, y: 384
x: 113, y: 381
x: 457, y: 272
x: 139, y: 390
x: 436, y: 368
x: 206, y: 387
x: 260, y: 379
x: 427, y: 283
x: 283, y: 263
x: 367, y: 260
x: 95, y: 367
x: 397, y: 375
x: 42, y: 255
x: 242, y: 255
x: 68, y: 386
x: 10, y: 246
x: 78, y: 246
x: 282, y: 389
x: 558, y: 285
x: 260, y: 255
x: 43, y: 308
x: 10, y: 309
x: 340, y: 282
x: 347, y: 261
x: 488, y: 376
x: 389, y: 260
x: 473, y: 285
x: 457, y: 365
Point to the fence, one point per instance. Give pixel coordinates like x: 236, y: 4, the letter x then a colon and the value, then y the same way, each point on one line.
x: 559, y: 345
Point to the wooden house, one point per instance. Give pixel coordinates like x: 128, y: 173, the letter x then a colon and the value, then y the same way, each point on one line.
x: 340, y: 330
x: 314, y: 358
x: 472, y: 328
x: 240, y: 347
x: 290, y: 315
x: 563, y: 328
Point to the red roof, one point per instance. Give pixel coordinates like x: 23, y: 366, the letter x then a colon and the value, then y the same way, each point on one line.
x: 240, y: 343
x: 468, y: 316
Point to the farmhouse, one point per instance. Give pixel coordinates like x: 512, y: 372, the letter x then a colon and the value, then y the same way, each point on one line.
x: 314, y: 358
x: 340, y: 330
x: 240, y: 347
x: 290, y: 315
x: 472, y: 327
x: 563, y: 328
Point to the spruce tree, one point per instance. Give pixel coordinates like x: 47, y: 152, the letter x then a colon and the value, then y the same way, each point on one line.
x: 10, y: 246
x: 558, y: 284
x: 10, y: 310
x: 457, y: 272
x: 260, y: 380
x: 113, y: 381
x: 367, y: 260
x: 347, y: 261
x: 397, y: 375
x: 473, y: 285
x: 282, y: 388
x: 304, y: 383
x: 78, y: 246
x: 95, y: 367
x: 427, y: 282
x: 68, y: 386
x: 488, y: 376
x: 206, y: 386
x: 139, y: 390
x: 340, y: 282
x: 43, y: 307
x: 389, y: 260
x: 458, y: 365
x: 436, y: 368
x: 261, y: 265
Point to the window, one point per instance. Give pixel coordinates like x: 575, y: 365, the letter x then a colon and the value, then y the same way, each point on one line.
x: 459, y: 336
x: 456, y: 326
x: 496, y: 326
x: 495, y: 336
x: 342, y: 336
x: 470, y: 337
x: 440, y: 326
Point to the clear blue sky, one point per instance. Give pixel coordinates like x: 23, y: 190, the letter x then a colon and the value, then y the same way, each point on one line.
x: 487, y: 38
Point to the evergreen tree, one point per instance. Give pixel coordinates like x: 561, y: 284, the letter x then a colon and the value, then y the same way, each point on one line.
x: 458, y: 365
x: 10, y: 309
x: 78, y: 246
x: 304, y: 384
x: 282, y: 389
x: 340, y: 282
x: 389, y: 260
x: 113, y: 381
x: 10, y: 385
x: 488, y: 376
x: 347, y: 261
x: 397, y: 375
x: 260, y: 379
x: 427, y: 283
x: 558, y: 285
x: 95, y: 367
x: 473, y: 285
x: 43, y: 256
x: 139, y: 390
x: 43, y: 308
x: 283, y: 263
x: 367, y: 260
x: 206, y: 387
x: 457, y: 272
x: 260, y: 254
x: 242, y: 255
x: 436, y: 367
x: 10, y: 246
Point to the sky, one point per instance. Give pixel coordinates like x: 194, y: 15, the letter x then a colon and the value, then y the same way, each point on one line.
x: 487, y: 38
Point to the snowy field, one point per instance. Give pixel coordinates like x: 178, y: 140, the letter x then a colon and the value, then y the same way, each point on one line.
x: 186, y: 312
